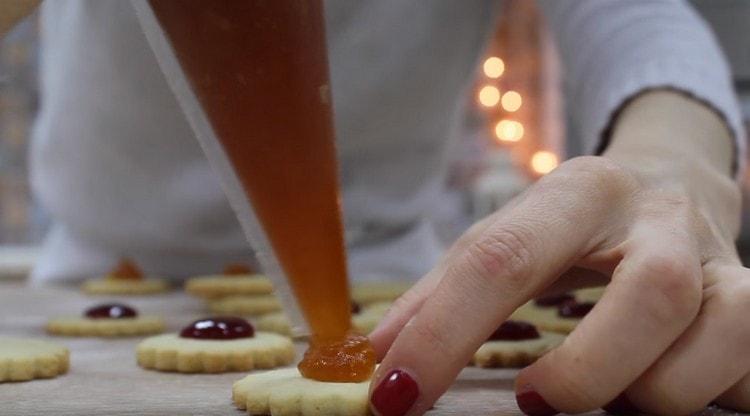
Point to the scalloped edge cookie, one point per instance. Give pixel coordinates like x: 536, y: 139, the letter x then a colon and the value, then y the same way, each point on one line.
x: 365, y: 293
x: 170, y: 352
x: 363, y: 322
x: 245, y: 305
x: 512, y: 354
x: 220, y: 285
x: 24, y: 359
x: 546, y: 319
x: 285, y: 392
x: 114, y: 286
x: 105, y: 327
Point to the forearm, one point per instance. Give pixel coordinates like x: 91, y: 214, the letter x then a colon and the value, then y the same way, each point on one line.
x: 12, y: 11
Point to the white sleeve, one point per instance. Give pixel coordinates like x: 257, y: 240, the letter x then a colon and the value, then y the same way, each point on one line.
x: 613, y: 49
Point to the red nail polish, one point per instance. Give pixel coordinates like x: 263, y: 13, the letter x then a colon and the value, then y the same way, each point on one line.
x: 532, y: 403
x: 395, y: 394
x: 621, y: 405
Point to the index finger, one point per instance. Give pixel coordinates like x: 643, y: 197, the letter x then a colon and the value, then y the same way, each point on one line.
x: 518, y: 254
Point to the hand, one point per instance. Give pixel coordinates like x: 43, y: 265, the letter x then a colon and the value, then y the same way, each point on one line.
x: 669, y: 331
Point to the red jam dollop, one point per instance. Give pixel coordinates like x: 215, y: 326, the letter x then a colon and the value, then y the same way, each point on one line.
x: 356, y: 308
x: 555, y: 300
x: 348, y: 360
x: 514, y: 331
x: 219, y: 327
x: 127, y: 269
x: 110, y: 311
x: 235, y: 269
x: 574, y: 309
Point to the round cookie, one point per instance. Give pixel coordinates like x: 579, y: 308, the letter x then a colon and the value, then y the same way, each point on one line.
x: 245, y: 305
x: 274, y: 322
x: 515, y: 344
x: 365, y: 293
x: 215, y: 345
x: 285, y: 392
x: 549, y: 318
x: 27, y: 359
x: 125, y: 279
x: 109, y: 320
x: 219, y: 285
x: 363, y: 322
x: 369, y: 317
x: 236, y: 279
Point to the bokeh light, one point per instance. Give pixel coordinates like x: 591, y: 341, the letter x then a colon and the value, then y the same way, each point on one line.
x: 489, y: 96
x: 511, y: 101
x: 493, y: 67
x: 543, y: 162
x: 508, y: 130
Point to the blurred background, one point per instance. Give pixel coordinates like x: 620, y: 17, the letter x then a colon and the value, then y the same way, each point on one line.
x: 515, y: 125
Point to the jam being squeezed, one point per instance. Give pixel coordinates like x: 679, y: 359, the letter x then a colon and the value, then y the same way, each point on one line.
x: 260, y: 73
x: 339, y: 361
x: 555, y: 300
x: 219, y: 328
x: 126, y: 269
x: 236, y: 269
x: 514, y: 331
x: 110, y: 311
x: 574, y: 309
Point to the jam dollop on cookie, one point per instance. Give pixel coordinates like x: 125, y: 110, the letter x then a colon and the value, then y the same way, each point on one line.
x: 237, y: 269
x: 356, y: 308
x: 126, y: 269
x: 219, y: 328
x: 554, y: 300
x: 574, y: 309
x: 348, y: 360
x: 110, y: 311
x: 514, y: 331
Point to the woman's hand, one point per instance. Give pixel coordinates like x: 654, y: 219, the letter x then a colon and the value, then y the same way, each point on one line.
x: 658, y: 213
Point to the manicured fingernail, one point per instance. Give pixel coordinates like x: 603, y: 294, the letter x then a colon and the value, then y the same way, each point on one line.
x: 532, y: 403
x: 621, y: 405
x: 395, y: 394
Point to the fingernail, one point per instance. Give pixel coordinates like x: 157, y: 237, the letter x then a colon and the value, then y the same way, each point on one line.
x: 395, y: 394
x: 621, y: 405
x: 532, y: 403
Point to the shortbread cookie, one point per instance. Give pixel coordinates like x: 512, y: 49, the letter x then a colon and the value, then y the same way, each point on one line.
x: 26, y: 359
x: 590, y: 294
x: 215, y: 345
x: 109, y: 320
x: 274, y: 322
x: 222, y: 285
x: 245, y: 305
x: 550, y: 318
x: 515, y: 344
x: 285, y: 392
x: 369, y: 317
x: 125, y: 279
x: 363, y: 321
x: 365, y: 293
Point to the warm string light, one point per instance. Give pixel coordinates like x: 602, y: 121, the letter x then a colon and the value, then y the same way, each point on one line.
x: 511, y: 101
x: 543, y: 162
x: 493, y: 67
x: 489, y: 96
x: 506, y: 129
x: 509, y: 131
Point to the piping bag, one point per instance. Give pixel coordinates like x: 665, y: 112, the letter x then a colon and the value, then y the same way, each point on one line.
x: 251, y: 76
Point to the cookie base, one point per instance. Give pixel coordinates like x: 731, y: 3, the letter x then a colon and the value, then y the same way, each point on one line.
x: 170, y: 352
x: 27, y: 359
x: 285, y: 392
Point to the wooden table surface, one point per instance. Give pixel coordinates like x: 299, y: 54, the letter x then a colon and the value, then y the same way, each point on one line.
x: 104, y: 378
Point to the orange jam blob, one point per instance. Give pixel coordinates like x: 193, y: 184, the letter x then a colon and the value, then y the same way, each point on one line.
x: 348, y: 360
x: 234, y: 269
x: 126, y: 269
